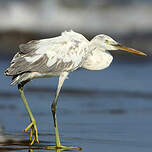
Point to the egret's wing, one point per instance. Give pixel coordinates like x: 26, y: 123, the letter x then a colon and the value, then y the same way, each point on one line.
x: 28, y: 47
x: 20, y: 65
x: 63, y: 53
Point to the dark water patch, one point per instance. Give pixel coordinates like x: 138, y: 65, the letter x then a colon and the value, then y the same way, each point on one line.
x: 5, y: 94
x: 90, y: 93
x: 8, y: 107
x: 116, y: 111
x: 106, y: 111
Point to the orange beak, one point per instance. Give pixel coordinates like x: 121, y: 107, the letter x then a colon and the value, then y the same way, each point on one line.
x: 124, y: 48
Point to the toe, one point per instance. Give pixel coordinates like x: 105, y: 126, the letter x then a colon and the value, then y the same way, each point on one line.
x: 31, y: 133
x: 28, y: 127
x: 32, y: 141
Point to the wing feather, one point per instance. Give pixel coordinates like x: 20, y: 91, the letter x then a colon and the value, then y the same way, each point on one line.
x: 62, y: 53
x: 28, y: 47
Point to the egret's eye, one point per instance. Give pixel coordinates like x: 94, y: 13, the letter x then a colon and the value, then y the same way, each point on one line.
x: 107, y: 42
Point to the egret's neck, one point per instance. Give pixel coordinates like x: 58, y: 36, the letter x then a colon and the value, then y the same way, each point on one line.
x: 97, y: 59
x: 95, y: 45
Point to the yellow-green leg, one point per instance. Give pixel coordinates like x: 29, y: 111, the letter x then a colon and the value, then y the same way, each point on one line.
x: 53, y: 107
x: 32, y: 125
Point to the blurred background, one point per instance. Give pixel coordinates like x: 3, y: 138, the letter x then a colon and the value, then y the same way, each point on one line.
x: 22, y: 20
x: 111, y: 108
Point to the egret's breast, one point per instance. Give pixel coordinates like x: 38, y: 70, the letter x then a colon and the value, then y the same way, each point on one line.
x: 97, y: 60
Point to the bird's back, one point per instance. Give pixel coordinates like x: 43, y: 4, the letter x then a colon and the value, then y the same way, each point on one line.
x: 48, y: 57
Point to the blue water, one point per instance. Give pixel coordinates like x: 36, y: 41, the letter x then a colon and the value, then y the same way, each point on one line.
x: 108, y: 110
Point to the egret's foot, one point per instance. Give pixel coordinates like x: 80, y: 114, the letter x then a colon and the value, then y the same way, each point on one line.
x: 62, y: 148
x: 33, y: 132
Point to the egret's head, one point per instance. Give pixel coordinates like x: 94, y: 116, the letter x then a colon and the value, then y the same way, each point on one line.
x: 107, y: 43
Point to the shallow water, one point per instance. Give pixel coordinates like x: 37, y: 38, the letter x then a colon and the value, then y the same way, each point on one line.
x: 107, y: 110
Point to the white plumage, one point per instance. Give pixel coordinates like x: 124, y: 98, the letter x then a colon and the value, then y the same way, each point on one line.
x: 52, y: 56
x: 65, y: 53
x: 58, y: 57
x: 97, y: 59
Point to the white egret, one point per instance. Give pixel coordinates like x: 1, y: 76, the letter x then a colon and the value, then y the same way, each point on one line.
x: 58, y: 57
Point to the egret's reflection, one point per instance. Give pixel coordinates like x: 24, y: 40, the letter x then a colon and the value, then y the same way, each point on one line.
x: 57, y: 150
x: 53, y: 148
